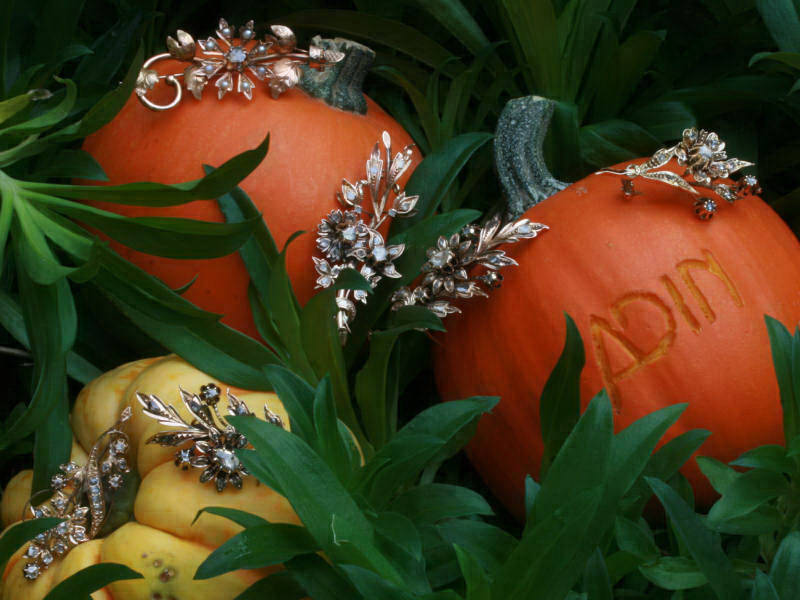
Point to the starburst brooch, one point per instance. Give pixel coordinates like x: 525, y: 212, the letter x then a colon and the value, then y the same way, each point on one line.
x: 349, y: 241
x: 452, y: 270
x: 213, y: 440
x: 81, y: 497
x: 703, y: 155
x: 233, y: 62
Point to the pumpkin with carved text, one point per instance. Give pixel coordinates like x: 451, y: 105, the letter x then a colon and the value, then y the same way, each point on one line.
x: 670, y: 308
x: 312, y: 147
x: 160, y: 541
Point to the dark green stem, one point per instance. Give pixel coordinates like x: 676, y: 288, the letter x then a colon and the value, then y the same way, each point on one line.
x: 340, y: 85
x: 520, y: 135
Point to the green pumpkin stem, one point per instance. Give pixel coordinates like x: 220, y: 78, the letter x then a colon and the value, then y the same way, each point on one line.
x: 521, y: 131
x: 340, y: 85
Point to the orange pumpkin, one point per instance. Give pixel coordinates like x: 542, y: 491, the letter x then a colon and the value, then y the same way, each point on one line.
x: 162, y: 541
x: 670, y: 308
x: 312, y: 147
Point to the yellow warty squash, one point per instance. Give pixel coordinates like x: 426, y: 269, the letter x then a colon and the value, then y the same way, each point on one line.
x: 161, y: 542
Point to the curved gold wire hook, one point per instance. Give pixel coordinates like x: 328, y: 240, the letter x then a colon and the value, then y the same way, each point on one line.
x: 148, y: 84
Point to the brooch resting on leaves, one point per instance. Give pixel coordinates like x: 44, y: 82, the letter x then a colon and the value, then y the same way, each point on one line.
x: 81, y: 497
x: 233, y: 62
x: 348, y: 241
x: 214, y: 440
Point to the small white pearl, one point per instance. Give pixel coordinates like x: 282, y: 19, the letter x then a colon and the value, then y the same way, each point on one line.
x: 247, y: 34
x: 226, y: 31
x: 261, y: 49
x: 225, y: 84
x: 209, y: 68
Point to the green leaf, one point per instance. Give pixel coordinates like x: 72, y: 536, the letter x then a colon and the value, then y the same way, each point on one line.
x: 559, y: 405
x: 51, y: 117
x: 240, y: 517
x: 490, y: 545
x: 719, y: 475
x: 207, y: 344
x: 596, y: 583
x: 72, y: 164
x: 329, y: 441
x: 478, y: 582
x: 278, y: 585
x: 106, y: 109
x: 257, y: 547
x: 373, y: 28
x: 536, y: 40
x: 455, y: 17
x: 771, y: 457
x: 531, y: 491
x: 171, y: 237
x: 537, y: 564
x: 786, y: 566
x: 12, y: 321
x: 664, y: 118
x: 213, y: 185
x: 663, y: 464
x: 321, y: 580
x: 434, y: 502
x: 763, y: 589
x: 614, y: 141
x: 371, y: 585
x: 322, y: 345
x: 781, y: 19
x: 703, y: 545
x: 91, y: 579
x: 297, y: 397
x: 434, y: 176
x: 12, y: 106
x: 674, y: 573
x: 581, y: 464
x: 782, y: 357
x: 791, y: 59
x: 327, y: 510
x: 635, y: 538
x: 763, y: 520
x: 19, y: 533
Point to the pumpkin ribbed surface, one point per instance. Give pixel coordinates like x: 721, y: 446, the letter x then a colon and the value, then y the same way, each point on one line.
x: 670, y: 308
x: 312, y: 147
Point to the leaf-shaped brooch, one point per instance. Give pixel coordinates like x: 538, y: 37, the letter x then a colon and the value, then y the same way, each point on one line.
x: 451, y: 270
x: 209, y: 441
x: 81, y: 497
x: 703, y: 154
x: 347, y: 241
x: 233, y: 62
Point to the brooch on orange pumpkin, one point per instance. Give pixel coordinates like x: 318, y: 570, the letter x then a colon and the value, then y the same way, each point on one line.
x: 347, y: 241
x: 449, y: 262
x: 231, y: 62
x: 81, y: 497
x: 214, y: 440
x: 703, y: 154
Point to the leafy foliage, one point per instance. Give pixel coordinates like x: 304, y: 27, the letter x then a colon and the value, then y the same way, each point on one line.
x: 372, y: 464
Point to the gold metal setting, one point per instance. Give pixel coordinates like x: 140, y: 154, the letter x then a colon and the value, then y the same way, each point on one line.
x: 231, y: 61
x: 81, y: 497
x: 703, y: 154
x: 213, y: 440
x: 348, y: 241
x: 447, y: 272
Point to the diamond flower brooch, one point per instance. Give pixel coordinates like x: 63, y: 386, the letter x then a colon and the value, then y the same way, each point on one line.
x: 213, y: 440
x: 233, y: 62
x: 703, y: 155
